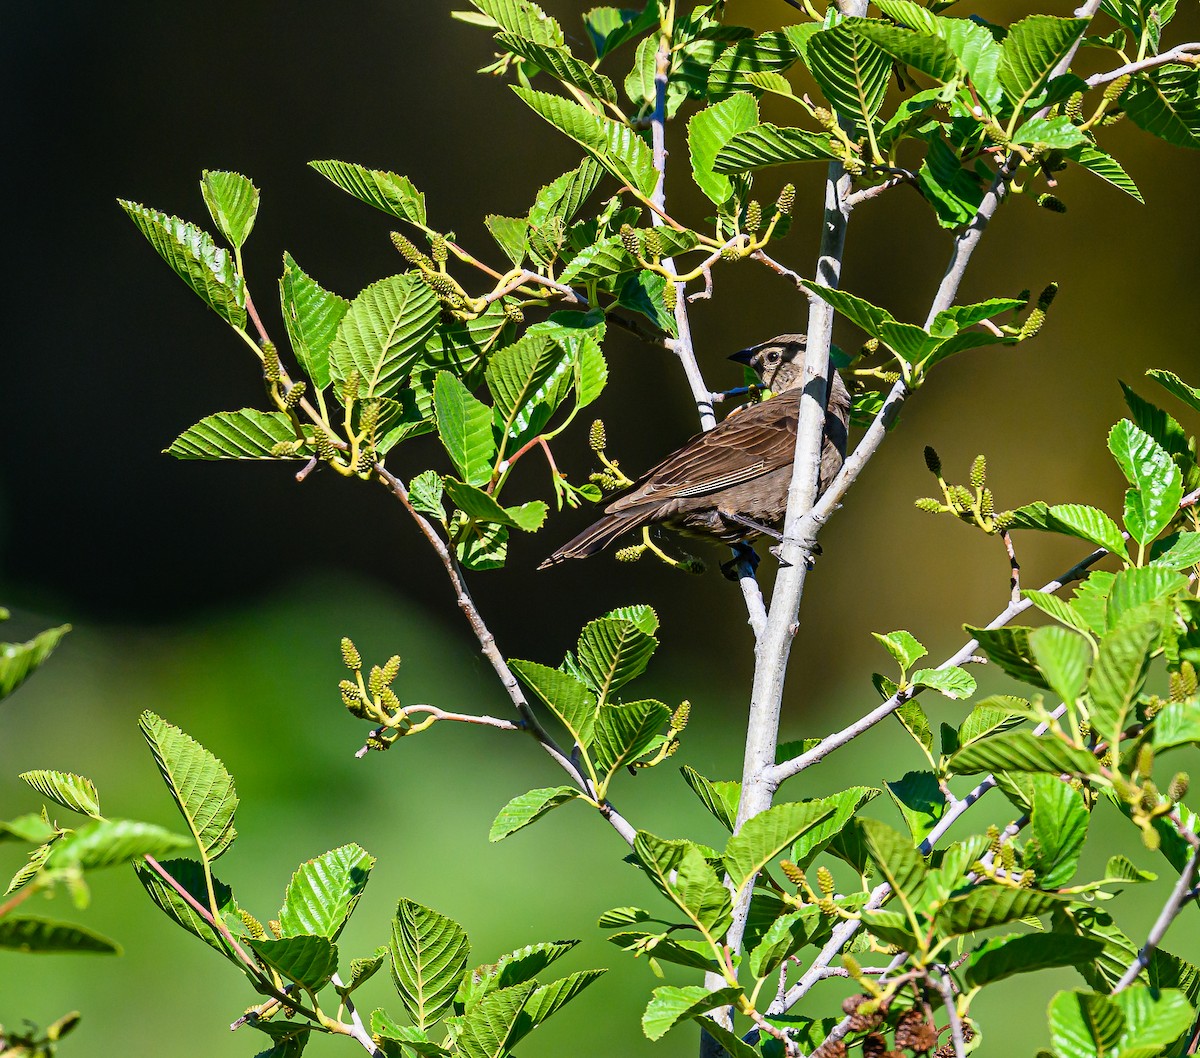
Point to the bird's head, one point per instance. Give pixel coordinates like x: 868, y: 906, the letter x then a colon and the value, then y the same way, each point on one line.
x: 776, y: 362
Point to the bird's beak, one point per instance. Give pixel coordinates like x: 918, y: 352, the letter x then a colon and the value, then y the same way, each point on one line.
x: 744, y: 356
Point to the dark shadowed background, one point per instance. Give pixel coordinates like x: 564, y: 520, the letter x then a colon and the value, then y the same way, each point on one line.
x: 216, y: 594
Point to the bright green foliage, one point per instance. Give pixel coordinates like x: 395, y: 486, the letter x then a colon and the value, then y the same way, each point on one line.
x: 19, y: 660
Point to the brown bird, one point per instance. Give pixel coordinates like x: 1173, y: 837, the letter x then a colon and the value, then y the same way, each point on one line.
x: 731, y: 483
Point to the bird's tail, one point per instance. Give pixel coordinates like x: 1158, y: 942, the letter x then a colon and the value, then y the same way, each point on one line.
x: 596, y: 537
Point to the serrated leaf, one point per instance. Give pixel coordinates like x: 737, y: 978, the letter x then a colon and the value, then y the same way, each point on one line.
x: 477, y: 504
x: 1154, y: 1019
x: 568, y: 698
x: 770, y: 52
x: 814, y: 840
x: 30, y: 934
x: 1030, y: 52
x: 898, y: 861
x: 990, y: 717
x: 560, y: 63
x: 1166, y: 104
x: 1133, y: 588
x: 1003, y: 957
x: 1118, y: 675
x: 851, y: 71
x: 389, y: 192
x: 767, y: 144
x: 916, y: 723
x: 1059, y: 133
x: 1107, y: 168
x: 1059, y: 826
x: 1061, y: 610
x: 204, y: 266
x: 1153, y: 501
x: 1174, y: 385
x: 1064, y: 658
x: 1023, y: 751
x: 616, y: 147
x: 232, y: 202
x: 992, y: 905
x: 29, y: 828
x: 920, y: 800
x: 1176, y: 724
x: 867, y: 317
x: 1008, y: 647
x: 311, y: 315
x: 67, y: 789
x: 425, y: 494
x: 245, y: 434
x: 953, y: 682
x: 465, y: 428
x: 429, y: 956
x: 903, y: 647
x: 549, y: 999
x: 720, y: 798
x: 783, y: 938
x: 922, y: 51
x: 680, y: 870
x: 954, y: 193
x: 107, y: 842
x: 323, y: 892
x: 190, y: 876
x: 309, y: 961
x: 527, y: 808
x: 767, y: 834
x: 670, y: 1005
x: 709, y: 131
x: 1084, y: 1025
x: 527, y: 380
x: 383, y: 333
x: 626, y: 732
x: 514, y: 968
x: 1087, y: 523
x: 611, y: 652
x: 1182, y: 551
x: 18, y: 661
x: 198, y: 782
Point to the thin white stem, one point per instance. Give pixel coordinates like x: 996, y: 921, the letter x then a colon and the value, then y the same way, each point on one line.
x: 1187, y: 53
x: 1179, y: 896
x: 946, y: 987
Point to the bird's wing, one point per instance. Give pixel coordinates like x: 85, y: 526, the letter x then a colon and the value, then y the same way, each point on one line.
x: 756, y: 441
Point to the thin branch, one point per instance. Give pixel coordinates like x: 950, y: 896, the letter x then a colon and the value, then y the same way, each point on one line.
x: 1186, y: 53
x: 487, y: 643
x: 1179, y: 896
x: 946, y: 987
x: 440, y: 714
x: 786, y: 769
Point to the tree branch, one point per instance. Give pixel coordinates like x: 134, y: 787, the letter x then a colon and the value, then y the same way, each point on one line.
x: 1187, y: 53
x: 1180, y: 895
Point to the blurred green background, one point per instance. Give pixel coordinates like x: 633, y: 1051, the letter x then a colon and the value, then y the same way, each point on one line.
x: 216, y: 595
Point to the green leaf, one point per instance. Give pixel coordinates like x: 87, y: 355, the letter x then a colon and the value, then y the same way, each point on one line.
x: 1003, y: 957
x: 1182, y: 551
x: 609, y: 27
x: 523, y: 17
x: 1174, y: 385
x: 916, y: 723
x: 198, y: 782
x: 480, y: 545
x: 680, y: 870
x: 1087, y: 523
x: 528, y: 380
x: 909, y: 14
x: 568, y: 698
x: 309, y: 961
x: 515, y: 968
x: 903, y: 647
x: 851, y: 71
x: 1166, y: 104
x: 487, y: 1030
x: 992, y: 905
x: 767, y: 144
x: 922, y: 51
x: 389, y: 192
x: 1133, y: 588
x: 107, y: 842
x: 245, y: 434
x: 1118, y: 676
x: 26, y: 933
x: 990, y: 717
x: 1176, y: 724
x: 29, y: 828
x: 978, y: 51
x: 67, y: 789
x: 1084, y: 1025
x: 1059, y: 824
x: 528, y: 807
x: 720, y: 798
x: 324, y: 891
x: 1153, y: 1019
x: 465, y: 428
x: 898, y: 861
x: 1010, y: 649
x: 190, y: 876
x: 1059, y: 133
x: 477, y: 504
x: 954, y: 192
x: 550, y: 998
x: 867, y: 317
x: 953, y: 682
x: 1064, y: 658
x: 311, y: 315
x: 1031, y: 51
x: 1153, y: 501
x: 611, y: 652
x: 643, y: 292
x: 920, y: 800
x: 232, y: 202
x: 1023, y: 751
x: 1059, y: 609
x: 670, y: 1005
x: 768, y: 834
x: 560, y: 63
x: 383, y: 333
x: 1106, y: 167
x: 709, y: 131
x: 18, y: 661
x: 425, y: 494
x: 732, y: 1044
x: 783, y: 938
x: 815, y: 839
x: 616, y: 147
x: 429, y: 957
x: 511, y: 235
x: 205, y: 267
x: 626, y: 732
x: 771, y: 52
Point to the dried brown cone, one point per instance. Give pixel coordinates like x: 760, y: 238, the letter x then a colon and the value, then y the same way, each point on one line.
x: 914, y: 1033
x: 947, y: 1050
x: 874, y: 1046
x: 851, y: 1004
x: 830, y: 1049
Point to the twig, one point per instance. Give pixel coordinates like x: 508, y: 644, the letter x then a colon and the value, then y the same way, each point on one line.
x: 487, y: 643
x: 956, y: 1030
x: 786, y: 769
x: 441, y: 714
x: 1014, y: 580
x: 1187, y: 53
x: 780, y: 269
x: 1179, y: 896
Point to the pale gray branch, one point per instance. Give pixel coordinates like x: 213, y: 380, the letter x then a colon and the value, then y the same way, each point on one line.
x: 946, y: 987
x: 1179, y: 896
x: 1188, y: 53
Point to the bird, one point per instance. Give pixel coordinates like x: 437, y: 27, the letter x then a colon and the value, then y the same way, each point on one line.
x: 729, y: 484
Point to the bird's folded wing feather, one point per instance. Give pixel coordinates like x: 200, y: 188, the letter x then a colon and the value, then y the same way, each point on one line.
x: 755, y: 441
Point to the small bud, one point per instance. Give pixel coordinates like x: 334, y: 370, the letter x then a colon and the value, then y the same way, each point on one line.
x: 753, y: 217
x: 653, y: 244
x: 1008, y: 858
x: 596, y: 438
x: 1074, y: 107
x: 996, y: 135
x: 1145, y: 759
x: 1003, y: 520
x: 351, y: 658
x: 680, y: 717
x: 792, y: 873
x: 993, y: 836
x: 439, y: 249
x: 349, y: 389
x: 870, y: 346
x: 978, y: 472
x: 364, y: 462
x: 1178, y: 789
x: 271, y: 366
x: 1116, y: 89
x: 274, y: 926
x: 389, y: 700
x: 1149, y: 797
x: 825, y: 880
x: 253, y: 927
x: 629, y: 240
x: 285, y: 448
x: 987, y: 506
x: 1053, y: 203
x: 1034, y: 322
x: 514, y: 313
x: 631, y: 553
x: 787, y: 198
x: 929, y: 505
x: 933, y: 461
x: 295, y: 395
x: 827, y: 907
x: 409, y: 251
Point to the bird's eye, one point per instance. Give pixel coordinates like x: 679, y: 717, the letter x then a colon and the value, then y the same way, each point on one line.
x: 773, y: 356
